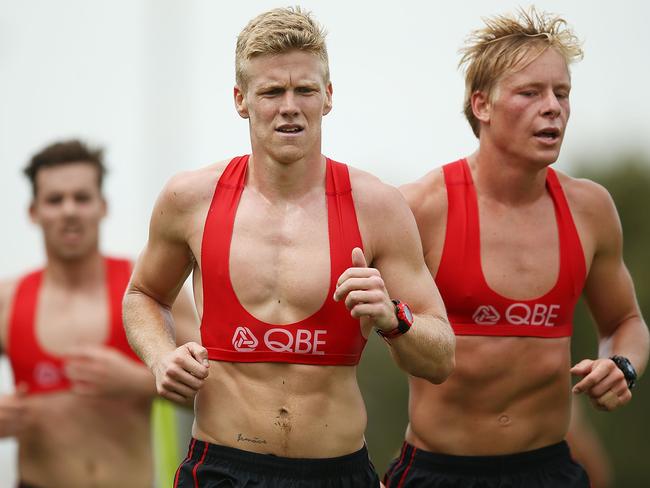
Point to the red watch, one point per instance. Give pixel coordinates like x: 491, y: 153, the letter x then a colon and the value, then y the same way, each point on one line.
x: 404, y: 321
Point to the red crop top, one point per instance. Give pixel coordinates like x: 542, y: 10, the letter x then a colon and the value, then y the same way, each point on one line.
x: 328, y: 337
x: 472, y: 306
x: 39, y: 370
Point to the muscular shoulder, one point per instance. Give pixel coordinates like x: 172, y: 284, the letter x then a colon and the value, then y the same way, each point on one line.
x: 187, y: 189
x: 382, y: 212
x: 7, y: 288
x: 593, y: 208
x: 183, y: 196
x: 427, y: 198
x: 371, y: 194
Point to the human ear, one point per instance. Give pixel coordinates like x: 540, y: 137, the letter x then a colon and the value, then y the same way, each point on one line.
x: 327, y: 107
x: 481, y: 106
x: 240, y: 102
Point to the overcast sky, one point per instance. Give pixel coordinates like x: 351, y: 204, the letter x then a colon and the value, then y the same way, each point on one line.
x: 152, y: 82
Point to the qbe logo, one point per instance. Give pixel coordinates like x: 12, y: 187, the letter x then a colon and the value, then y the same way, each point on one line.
x: 278, y: 339
x: 486, y: 315
x: 243, y: 340
x: 519, y: 314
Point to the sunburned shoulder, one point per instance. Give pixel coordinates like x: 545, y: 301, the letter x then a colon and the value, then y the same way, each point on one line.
x: 188, y: 189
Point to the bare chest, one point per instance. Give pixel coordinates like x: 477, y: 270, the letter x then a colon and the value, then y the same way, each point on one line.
x: 520, y: 249
x: 67, y: 319
x: 279, y: 258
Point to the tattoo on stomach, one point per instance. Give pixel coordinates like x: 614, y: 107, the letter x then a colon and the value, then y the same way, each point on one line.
x: 255, y: 440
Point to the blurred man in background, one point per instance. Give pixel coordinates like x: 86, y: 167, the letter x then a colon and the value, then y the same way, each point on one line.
x: 512, y: 245
x: 82, y: 401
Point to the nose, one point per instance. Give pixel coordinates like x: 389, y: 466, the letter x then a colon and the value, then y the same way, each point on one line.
x: 551, y: 106
x: 289, y: 104
x: 69, y: 207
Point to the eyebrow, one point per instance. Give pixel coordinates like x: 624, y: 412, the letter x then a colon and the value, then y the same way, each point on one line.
x: 538, y: 84
x: 281, y: 84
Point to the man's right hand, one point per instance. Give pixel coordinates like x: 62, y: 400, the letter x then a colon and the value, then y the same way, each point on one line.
x: 181, y: 373
x: 13, y: 409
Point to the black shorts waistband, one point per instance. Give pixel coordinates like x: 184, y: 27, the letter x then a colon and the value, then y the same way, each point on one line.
x: 484, y: 465
x: 207, y: 453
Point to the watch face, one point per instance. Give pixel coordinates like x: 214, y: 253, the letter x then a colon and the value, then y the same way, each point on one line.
x: 407, y: 313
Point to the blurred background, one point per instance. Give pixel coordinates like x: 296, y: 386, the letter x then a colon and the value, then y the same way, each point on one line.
x: 151, y: 81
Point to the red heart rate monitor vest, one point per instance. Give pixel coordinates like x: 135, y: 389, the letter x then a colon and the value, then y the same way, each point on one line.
x: 472, y: 306
x: 33, y: 366
x: 330, y: 336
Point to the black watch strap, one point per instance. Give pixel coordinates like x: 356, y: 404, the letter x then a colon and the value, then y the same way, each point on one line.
x: 628, y: 370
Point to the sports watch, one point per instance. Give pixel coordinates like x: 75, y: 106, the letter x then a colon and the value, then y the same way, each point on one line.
x: 404, y: 321
x: 628, y: 370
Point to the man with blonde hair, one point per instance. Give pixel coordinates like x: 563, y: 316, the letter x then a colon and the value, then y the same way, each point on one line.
x: 511, y: 283
x: 280, y: 243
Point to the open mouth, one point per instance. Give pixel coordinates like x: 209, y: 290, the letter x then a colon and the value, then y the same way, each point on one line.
x: 289, y: 129
x: 548, y: 134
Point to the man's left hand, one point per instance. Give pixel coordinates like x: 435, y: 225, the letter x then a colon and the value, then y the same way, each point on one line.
x: 603, y: 382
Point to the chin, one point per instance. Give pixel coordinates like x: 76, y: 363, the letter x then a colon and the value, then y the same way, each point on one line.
x: 71, y: 254
x: 289, y: 155
x: 549, y: 159
x: 540, y: 159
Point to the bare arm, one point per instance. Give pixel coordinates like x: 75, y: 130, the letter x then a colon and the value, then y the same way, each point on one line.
x: 157, y: 279
x: 399, y: 271
x: 186, y: 321
x: 105, y: 371
x: 610, y: 295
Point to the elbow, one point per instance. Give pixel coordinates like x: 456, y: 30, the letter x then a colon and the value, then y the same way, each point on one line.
x: 444, y: 365
x: 442, y: 371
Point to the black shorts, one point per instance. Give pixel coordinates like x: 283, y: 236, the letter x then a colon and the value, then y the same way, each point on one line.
x: 210, y: 466
x: 548, y: 467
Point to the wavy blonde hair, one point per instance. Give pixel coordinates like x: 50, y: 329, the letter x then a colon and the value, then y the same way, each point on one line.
x: 278, y: 31
x: 509, y: 43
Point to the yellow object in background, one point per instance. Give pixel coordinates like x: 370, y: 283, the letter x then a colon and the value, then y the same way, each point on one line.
x: 165, y: 441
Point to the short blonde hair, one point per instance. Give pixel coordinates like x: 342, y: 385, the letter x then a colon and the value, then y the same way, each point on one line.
x: 507, y: 44
x: 278, y: 31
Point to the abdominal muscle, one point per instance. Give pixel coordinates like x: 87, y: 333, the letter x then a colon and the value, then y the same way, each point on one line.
x: 506, y: 395
x: 289, y: 410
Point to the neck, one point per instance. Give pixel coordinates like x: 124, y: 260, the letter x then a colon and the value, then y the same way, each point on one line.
x: 285, y: 181
x: 507, y: 180
x: 74, y: 273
